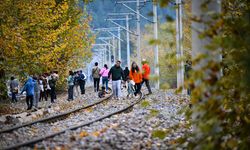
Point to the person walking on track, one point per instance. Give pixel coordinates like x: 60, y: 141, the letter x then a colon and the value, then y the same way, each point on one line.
x: 43, y: 88
x: 82, y: 80
x: 146, y: 74
x: 104, y: 73
x: 96, y: 76
x: 76, y: 84
x: 136, y: 76
x: 13, y: 89
x: 70, y: 81
x: 126, y: 76
x: 37, y: 91
x: 52, y: 84
x: 117, y: 75
x: 47, y: 89
x: 29, y: 88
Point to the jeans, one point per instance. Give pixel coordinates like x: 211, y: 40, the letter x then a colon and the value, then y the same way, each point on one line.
x: 76, y: 90
x: 189, y: 91
x: 82, y: 86
x: 105, y: 81
x: 53, y: 94
x: 130, y: 89
x: 147, y: 84
x: 96, y: 84
x: 137, y: 88
x: 13, y: 97
x: 116, y: 86
x: 70, y: 92
x: 43, y: 95
x: 29, y: 101
x: 36, y: 99
x: 48, y: 93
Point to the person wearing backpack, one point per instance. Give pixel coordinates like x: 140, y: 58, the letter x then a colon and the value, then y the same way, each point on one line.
x: 52, y: 85
x: 82, y: 78
x: 96, y: 76
x: 126, y: 76
x: 70, y: 81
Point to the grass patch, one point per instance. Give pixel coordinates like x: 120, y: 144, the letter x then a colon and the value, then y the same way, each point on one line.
x: 145, y: 103
x: 161, y: 134
x: 154, y: 112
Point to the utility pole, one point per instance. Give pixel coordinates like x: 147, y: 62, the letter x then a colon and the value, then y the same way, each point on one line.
x: 128, y: 41
x: 156, y: 58
x: 109, y: 47
x: 114, y: 54
x: 103, y: 58
x: 138, y: 15
x: 99, y: 55
x: 138, y: 32
x: 106, y: 48
x: 109, y: 31
x: 125, y: 28
x: 110, y: 51
x: 179, y: 46
x: 119, y: 43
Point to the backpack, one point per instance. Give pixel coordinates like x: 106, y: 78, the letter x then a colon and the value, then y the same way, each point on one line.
x: 82, y: 77
x: 52, y: 82
x: 76, y: 79
x: 95, y: 72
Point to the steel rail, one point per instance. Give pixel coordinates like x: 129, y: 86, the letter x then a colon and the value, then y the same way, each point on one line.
x: 27, y: 143
x: 55, y: 116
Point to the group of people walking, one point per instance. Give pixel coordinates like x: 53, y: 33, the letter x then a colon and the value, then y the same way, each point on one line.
x: 117, y: 75
x: 76, y: 80
x: 37, y: 88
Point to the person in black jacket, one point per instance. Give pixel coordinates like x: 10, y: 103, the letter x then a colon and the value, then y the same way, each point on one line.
x: 117, y: 75
x: 14, y: 89
x: 82, y: 80
x: 126, y: 73
x: 188, y: 68
x: 126, y: 76
x: 52, y: 83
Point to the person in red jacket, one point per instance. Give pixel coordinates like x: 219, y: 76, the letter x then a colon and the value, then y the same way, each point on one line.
x: 146, y: 75
x: 136, y: 76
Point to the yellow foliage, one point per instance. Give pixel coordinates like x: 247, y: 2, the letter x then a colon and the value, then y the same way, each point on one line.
x: 41, y: 36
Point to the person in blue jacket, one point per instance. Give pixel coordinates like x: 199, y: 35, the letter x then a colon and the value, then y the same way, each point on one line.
x: 29, y: 88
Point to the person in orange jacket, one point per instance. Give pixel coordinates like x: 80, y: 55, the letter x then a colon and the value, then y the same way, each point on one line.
x: 136, y: 76
x: 146, y: 74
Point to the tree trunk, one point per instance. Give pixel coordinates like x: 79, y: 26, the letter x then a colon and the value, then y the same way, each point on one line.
x: 198, y: 44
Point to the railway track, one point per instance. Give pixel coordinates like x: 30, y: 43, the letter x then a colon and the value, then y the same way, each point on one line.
x: 55, y: 117
x: 77, y: 124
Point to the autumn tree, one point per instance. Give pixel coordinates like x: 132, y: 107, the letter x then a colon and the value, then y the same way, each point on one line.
x: 41, y: 36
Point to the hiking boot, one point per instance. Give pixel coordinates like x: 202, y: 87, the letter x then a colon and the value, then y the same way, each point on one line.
x: 149, y: 93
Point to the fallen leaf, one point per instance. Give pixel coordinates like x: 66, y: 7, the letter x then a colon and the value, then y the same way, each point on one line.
x: 96, y: 133
x: 83, y: 134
